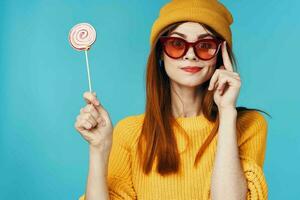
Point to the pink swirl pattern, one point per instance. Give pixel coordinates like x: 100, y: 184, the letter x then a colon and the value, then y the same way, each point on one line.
x: 82, y: 36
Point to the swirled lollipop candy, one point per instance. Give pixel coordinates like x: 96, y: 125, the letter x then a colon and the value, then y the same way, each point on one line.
x: 81, y: 38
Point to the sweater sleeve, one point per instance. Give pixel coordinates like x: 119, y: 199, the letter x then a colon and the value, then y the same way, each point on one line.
x: 252, y: 147
x: 119, y: 178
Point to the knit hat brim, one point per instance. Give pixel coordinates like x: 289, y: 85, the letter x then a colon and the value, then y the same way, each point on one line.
x: 204, y: 15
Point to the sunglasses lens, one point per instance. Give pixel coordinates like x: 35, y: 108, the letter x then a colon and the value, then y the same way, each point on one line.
x: 174, y: 47
x: 206, y: 49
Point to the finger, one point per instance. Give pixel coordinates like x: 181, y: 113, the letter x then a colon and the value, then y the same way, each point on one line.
x: 101, y: 110
x: 236, y: 75
x: 84, y: 125
x: 226, y: 59
x: 87, y: 125
x: 88, y: 117
x: 222, y: 67
x: 224, y: 88
x: 91, y: 98
x: 233, y: 74
x: 90, y: 108
x: 96, y: 111
x: 78, y: 126
x: 237, y: 78
x: 222, y: 85
x: 101, y: 121
x: 228, y: 81
x: 213, y: 80
x: 221, y: 72
x: 85, y: 133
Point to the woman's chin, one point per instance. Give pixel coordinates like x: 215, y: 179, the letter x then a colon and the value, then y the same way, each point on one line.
x: 189, y: 83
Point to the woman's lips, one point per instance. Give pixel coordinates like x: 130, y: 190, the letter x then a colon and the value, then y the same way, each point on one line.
x: 191, y: 69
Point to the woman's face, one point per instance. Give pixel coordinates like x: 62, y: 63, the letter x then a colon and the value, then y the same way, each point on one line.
x: 191, y: 30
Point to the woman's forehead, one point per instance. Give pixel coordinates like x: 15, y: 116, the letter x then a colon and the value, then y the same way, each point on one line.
x: 191, y: 29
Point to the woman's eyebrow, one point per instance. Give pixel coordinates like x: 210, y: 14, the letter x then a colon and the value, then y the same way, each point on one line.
x: 199, y: 36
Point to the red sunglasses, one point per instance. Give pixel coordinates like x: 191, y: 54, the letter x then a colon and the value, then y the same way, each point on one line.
x: 204, y: 49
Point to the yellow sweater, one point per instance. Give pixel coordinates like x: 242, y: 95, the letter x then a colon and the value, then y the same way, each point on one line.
x: 126, y: 180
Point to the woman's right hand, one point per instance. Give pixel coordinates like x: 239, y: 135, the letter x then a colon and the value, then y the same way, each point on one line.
x: 94, y: 124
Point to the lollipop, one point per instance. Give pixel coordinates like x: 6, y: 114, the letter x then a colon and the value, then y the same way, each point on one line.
x: 81, y: 38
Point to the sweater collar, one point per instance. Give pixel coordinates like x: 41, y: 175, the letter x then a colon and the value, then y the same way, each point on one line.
x: 194, y: 123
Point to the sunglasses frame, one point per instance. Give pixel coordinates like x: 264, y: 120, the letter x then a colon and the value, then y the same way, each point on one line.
x: 163, y: 39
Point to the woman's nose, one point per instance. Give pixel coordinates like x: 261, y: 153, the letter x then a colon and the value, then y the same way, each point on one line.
x: 190, y: 55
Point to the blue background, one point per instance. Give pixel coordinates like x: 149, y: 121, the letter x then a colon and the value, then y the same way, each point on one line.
x: 43, y: 80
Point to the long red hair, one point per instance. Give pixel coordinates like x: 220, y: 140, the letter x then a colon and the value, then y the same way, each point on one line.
x: 157, y: 139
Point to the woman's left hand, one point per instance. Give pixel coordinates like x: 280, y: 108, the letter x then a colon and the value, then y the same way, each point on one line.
x: 225, y: 82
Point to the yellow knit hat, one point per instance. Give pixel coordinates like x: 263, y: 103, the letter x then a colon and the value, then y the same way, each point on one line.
x: 209, y: 12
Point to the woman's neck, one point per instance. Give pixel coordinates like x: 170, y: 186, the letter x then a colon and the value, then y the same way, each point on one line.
x: 186, y: 101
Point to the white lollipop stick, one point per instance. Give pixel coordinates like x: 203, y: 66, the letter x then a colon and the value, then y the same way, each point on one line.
x: 88, y: 69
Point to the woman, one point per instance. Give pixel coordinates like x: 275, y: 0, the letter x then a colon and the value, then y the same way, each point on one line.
x: 192, y: 142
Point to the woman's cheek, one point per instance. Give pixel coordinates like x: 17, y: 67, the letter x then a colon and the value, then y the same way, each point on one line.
x: 172, y: 72
x: 211, y: 68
